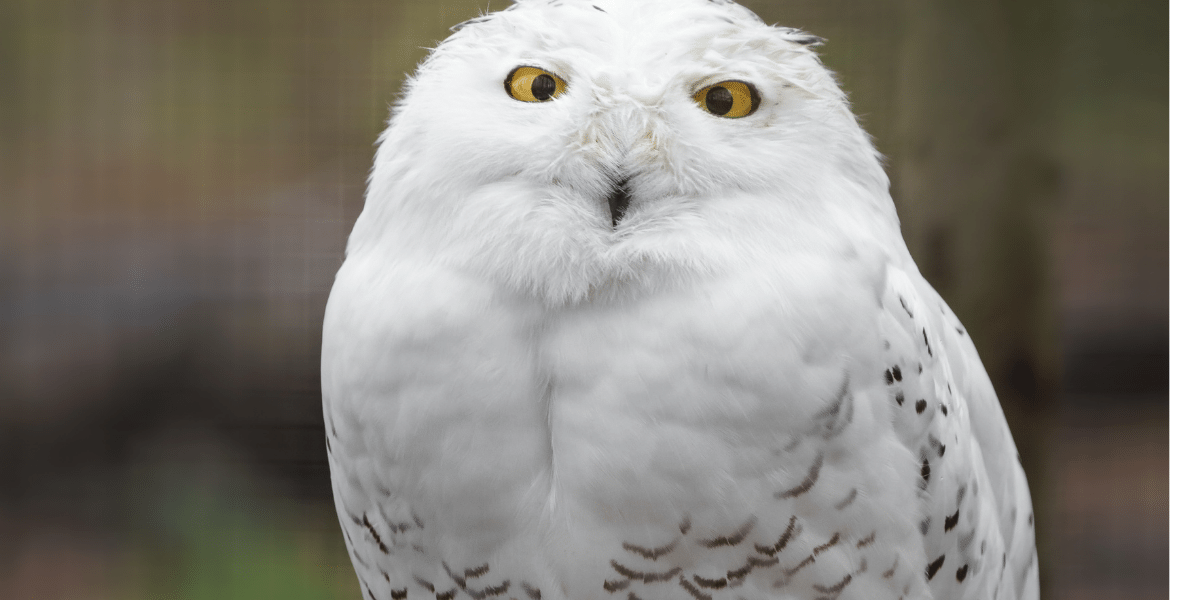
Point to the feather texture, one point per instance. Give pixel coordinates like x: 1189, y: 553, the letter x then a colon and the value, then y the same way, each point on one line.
x: 743, y: 389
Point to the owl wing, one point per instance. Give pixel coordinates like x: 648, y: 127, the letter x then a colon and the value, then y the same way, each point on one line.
x: 428, y: 396
x: 978, y: 520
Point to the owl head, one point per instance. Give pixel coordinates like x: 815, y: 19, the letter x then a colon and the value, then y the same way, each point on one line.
x: 595, y: 150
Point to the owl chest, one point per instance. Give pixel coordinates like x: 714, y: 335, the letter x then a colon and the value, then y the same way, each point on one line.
x: 501, y: 423
x: 697, y: 392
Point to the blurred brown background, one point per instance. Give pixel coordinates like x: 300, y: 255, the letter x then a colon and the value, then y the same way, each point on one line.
x: 177, y: 179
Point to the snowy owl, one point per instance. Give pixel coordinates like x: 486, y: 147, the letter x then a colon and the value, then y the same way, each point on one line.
x: 627, y: 315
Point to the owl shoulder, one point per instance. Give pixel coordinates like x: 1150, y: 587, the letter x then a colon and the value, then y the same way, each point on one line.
x: 402, y: 299
x: 391, y: 318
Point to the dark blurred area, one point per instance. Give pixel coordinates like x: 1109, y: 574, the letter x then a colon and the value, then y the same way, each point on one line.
x: 178, y: 178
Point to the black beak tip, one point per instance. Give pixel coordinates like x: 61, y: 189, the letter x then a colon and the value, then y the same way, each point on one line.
x: 618, y: 201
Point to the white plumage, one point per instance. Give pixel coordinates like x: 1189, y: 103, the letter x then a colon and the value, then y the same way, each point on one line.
x: 594, y: 340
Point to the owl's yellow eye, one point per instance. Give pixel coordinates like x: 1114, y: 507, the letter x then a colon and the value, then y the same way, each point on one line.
x: 730, y: 99
x: 531, y: 84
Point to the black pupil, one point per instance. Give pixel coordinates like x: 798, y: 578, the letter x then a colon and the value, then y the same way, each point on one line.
x: 718, y: 100
x: 542, y: 87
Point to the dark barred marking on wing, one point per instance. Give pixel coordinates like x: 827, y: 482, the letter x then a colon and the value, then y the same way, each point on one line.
x: 713, y: 584
x: 532, y: 592
x: 848, y: 500
x: 937, y: 444
x: 691, y: 589
x: 615, y: 586
x: 494, y: 590
x: 423, y: 583
x: 932, y: 568
x: 809, y: 480
x: 458, y: 579
x: 628, y: 573
x: 835, y: 588
x: 755, y: 561
x: 952, y: 520
x: 650, y: 553
x: 733, y: 539
x: 810, y: 559
x: 787, y: 534
x: 892, y: 571
x: 827, y: 545
x: 833, y: 420
x: 735, y: 576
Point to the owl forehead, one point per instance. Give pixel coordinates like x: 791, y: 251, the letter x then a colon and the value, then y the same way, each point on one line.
x: 653, y: 39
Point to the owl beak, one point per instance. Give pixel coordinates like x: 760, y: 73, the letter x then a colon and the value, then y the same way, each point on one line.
x: 618, y: 201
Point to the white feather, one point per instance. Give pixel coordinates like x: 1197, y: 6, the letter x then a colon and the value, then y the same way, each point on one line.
x: 692, y: 404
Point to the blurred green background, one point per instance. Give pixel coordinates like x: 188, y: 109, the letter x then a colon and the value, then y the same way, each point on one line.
x: 177, y: 179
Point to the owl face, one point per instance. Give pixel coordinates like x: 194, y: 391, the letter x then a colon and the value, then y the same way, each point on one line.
x: 572, y: 150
